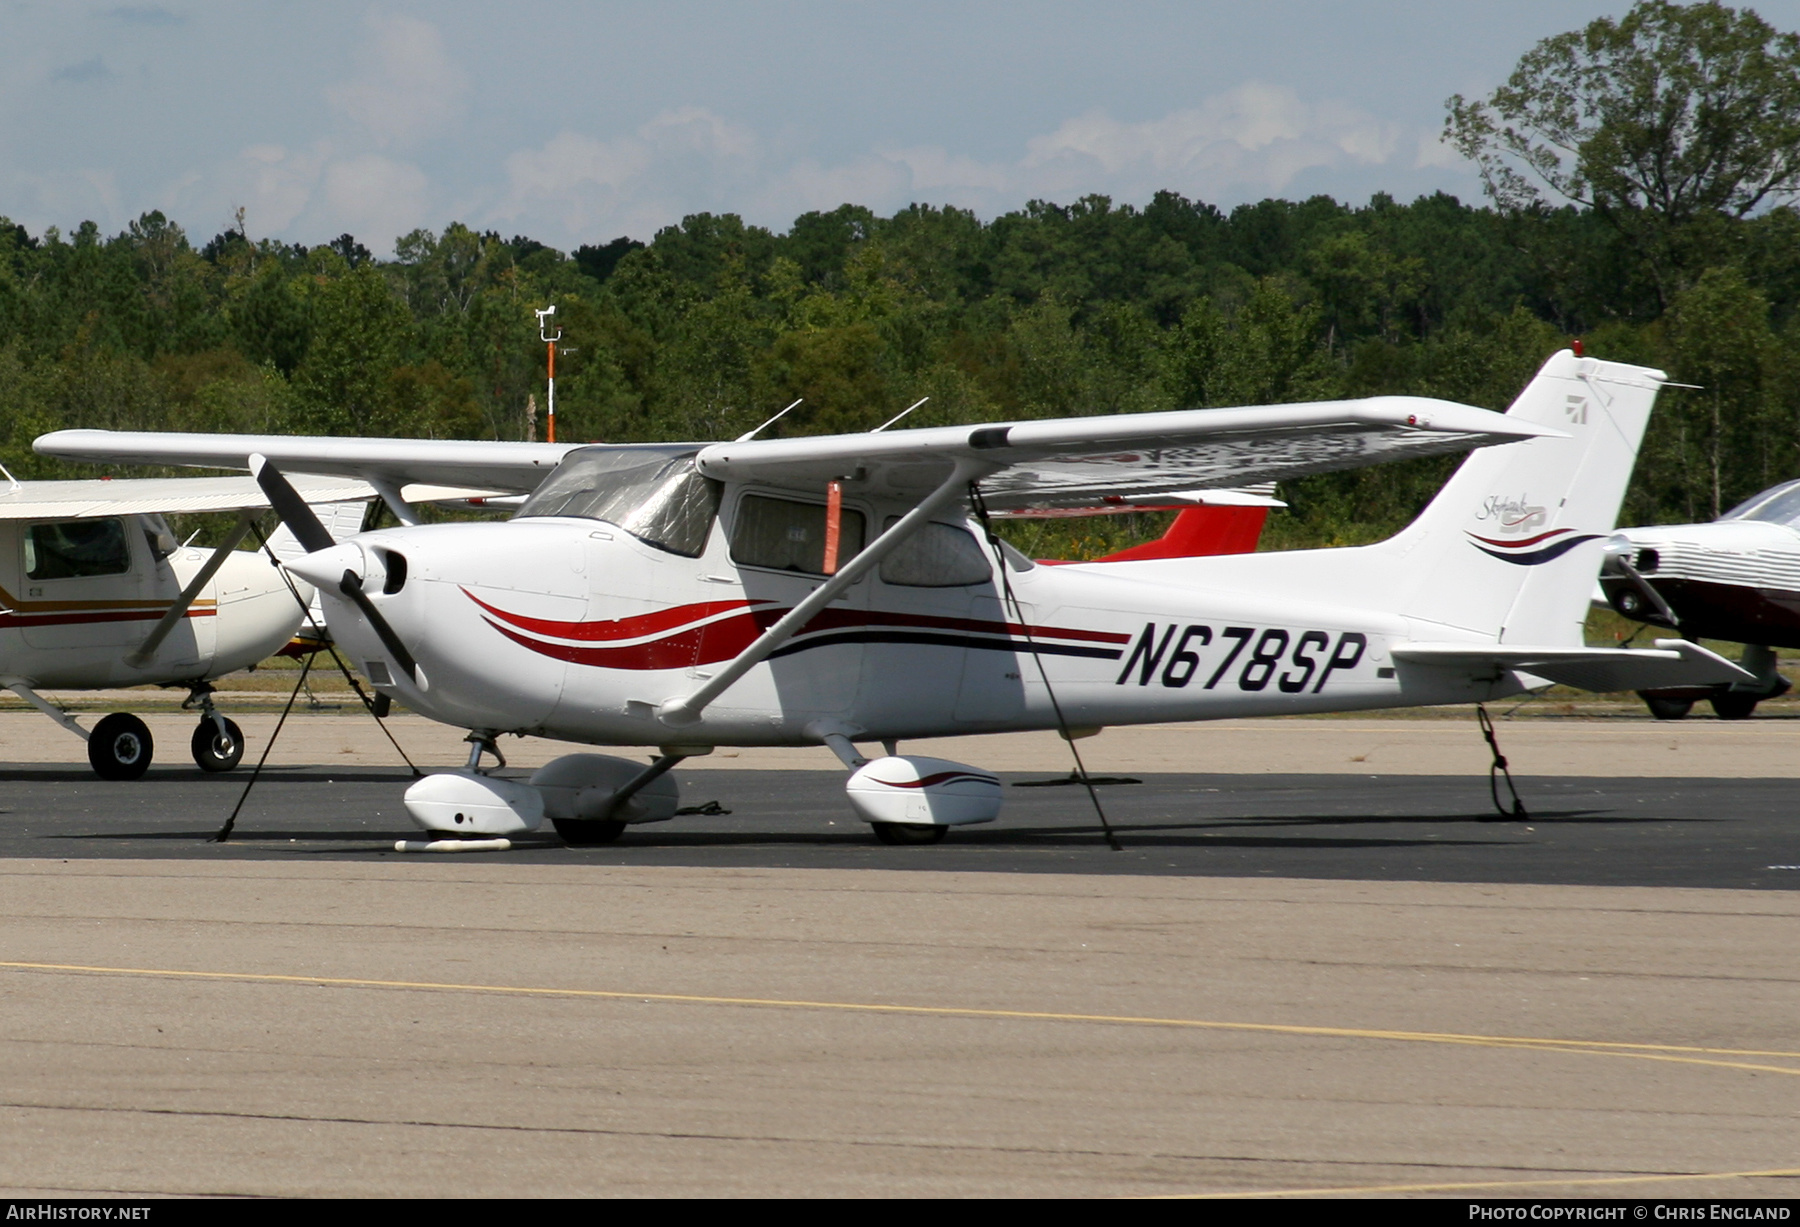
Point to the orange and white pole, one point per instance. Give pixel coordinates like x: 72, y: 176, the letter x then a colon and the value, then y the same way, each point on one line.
x: 550, y: 365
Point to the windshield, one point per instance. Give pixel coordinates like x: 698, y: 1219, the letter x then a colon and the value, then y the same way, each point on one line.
x: 653, y: 493
x: 1778, y: 506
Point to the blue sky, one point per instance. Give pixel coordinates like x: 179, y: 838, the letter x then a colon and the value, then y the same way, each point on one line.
x: 575, y: 123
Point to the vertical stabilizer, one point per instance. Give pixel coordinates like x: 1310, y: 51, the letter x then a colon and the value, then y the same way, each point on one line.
x: 1199, y: 532
x: 1510, y: 547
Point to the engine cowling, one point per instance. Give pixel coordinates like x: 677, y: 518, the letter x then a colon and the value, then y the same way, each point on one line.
x: 905, y: 788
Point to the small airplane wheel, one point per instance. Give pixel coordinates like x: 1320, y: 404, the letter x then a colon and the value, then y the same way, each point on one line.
x: 1734, y: 706
x: 1667, y: 709
x: 120, y: 747
x: 587, y: 832
x: 909, y: 833
x: 213, y: 752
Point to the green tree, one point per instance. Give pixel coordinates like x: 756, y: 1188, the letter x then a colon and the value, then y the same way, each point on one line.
x: 1661, y: 121
x: 1726, y: 440
x: 360, y: 331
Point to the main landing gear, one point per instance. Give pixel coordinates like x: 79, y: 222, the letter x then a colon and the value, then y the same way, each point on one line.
x: 902, y: 834
x: 912, y: 801
x: 120, y: 747
x: 1733, y: 702
x: 217, y: 744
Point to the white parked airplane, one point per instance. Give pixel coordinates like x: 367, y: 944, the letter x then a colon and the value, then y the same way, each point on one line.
x: 95, y: 592
x: 835, y: 590
x: 1735, y: 578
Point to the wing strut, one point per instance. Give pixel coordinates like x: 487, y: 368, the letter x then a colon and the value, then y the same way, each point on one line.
x: 687, y: 708
x: 178, y: 610
x: 390, y: 494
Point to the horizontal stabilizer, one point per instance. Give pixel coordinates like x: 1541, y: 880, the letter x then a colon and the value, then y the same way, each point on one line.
x: 1672, y: 662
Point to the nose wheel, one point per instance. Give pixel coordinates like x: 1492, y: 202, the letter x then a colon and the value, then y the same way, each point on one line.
x: 120, y: 747
x: 216, y: 751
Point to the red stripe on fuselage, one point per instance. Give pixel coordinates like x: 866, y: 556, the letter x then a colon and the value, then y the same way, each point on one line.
x: 827, y: 620
x: 617, y: 628
x: 703, y: 645
x: 726, y: 637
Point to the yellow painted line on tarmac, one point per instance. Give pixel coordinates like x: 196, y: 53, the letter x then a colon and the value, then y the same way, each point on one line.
x: 1479, y: 1186
x: 1682, y: 1054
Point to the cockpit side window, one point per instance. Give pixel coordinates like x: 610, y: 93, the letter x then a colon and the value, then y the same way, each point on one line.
x: 654, y: 493
x: 75, y: 549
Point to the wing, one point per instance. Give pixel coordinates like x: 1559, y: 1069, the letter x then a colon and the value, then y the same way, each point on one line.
x: 1068, y: 462
x: 79, y: 500
x: 1084, y: 462
x: 391, y: 463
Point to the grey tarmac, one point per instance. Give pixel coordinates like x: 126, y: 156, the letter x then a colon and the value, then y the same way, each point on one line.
x: 1288, y: 983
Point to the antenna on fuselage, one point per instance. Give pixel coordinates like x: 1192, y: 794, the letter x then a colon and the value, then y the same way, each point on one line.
x: 749, y: 435
x: 900, y: 415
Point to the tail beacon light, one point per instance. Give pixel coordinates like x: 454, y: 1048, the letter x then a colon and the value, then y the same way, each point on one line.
x: 463, y: 803
x: 924, y: 792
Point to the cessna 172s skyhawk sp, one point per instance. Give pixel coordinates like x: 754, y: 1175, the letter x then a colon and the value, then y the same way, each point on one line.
x: 95, y: 592
x: 834, y: 590
x: 1736, y: 578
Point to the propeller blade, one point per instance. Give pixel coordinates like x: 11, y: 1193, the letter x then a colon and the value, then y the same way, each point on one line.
x: 351, y: 586
x: 312, y: 536
x: 290, y: 506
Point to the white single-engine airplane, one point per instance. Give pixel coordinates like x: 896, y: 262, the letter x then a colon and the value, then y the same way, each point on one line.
x: 834, y: 590
x: 95, y: 592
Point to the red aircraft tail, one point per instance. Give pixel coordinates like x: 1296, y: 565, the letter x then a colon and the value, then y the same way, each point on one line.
x: 1199, y: 531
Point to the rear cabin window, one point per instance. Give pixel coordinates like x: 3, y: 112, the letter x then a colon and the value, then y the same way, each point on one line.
x: 788, y: 536
x: 77, y: 548
x: 937, y: 556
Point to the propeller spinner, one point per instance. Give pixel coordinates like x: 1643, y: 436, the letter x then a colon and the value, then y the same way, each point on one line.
x: 327, y: 564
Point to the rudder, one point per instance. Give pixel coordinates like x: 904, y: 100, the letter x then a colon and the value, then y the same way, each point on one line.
x: 1510, y: 546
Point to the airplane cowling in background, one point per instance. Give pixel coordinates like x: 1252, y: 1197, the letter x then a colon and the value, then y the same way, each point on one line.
x: 1736, y: 578
x: 257, y: 613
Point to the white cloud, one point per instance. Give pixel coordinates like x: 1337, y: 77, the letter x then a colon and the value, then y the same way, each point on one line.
x: 1255, y: 138
x: 1246, y: 143
x: 374, y: 198
x: 273, y: 184
x: 311, y: 194
x: 682, y: 161
x: 696, y: 130
x: 408, y: 88
x: 1434, y: 151
x: 278, y: 184
x: 60, y: 197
